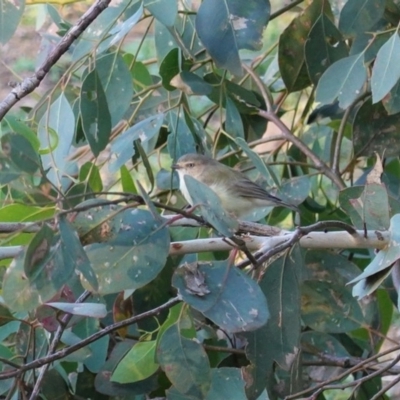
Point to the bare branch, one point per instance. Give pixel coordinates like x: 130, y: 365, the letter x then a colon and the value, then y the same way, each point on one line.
x: 53, y: 346
x: 28, y: 85
x: 90, y: 339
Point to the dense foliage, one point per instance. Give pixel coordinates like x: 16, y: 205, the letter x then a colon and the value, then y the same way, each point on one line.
x: 108, y: 294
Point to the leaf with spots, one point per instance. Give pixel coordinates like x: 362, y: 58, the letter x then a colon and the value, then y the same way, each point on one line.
x: 73, y: 254
x: 329, y: 307
x: 291, y: 53
x: 210, y: 206
x: 95, y: 113
x: 375, y: 131
x: 20, y: 152
x: 23, y: 294
x: 134, y: 256
x: 138, y: 363
x: 379, y: 268
x: 224, y: 27
x: 99, y: 223
x: 280, y: 286
x: 220, y: 301
x: 185, y: 363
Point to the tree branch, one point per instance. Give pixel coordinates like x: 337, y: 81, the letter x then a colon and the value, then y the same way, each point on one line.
x: 53, y: 346
x: 90, y: 339
x: 28, y: 85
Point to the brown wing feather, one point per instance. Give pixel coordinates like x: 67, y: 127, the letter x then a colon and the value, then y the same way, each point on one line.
x: 247, y: 188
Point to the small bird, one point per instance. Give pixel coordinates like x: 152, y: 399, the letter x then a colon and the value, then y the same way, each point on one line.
x: 238, y: 194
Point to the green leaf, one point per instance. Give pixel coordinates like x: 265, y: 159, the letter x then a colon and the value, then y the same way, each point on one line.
x: 96, y: 119
x: 138, y: 363
x: 217, y: 297
x: 380, y: 266
x: 329, y: 307
x: 20, y: 152
x: 134, y: 256
x: 324, y: 46
x: 343, y: 80
x: 233, y: 120
x: 104, y: 385
x: 17, y: 125
x: 291, y: 55
x: 210, y: 205
x: 224, y: 27
x: 281, y: 288
x: 185, y: 363
x: 5, y: 315
x: 191, y: 83
x: 122, y: 146
x: 349, y: 201
x: 226, y: 383
x: 93, y: 310
x: 375, y: 131
x: 74, y: 257
x: 36, y: 256
x: 8, y: 172
x: 385, y: 73
x: 10, y: 15
x: 266, y: 172
x: 357, y: 16
x: 169, y: 68
x: 90, y: 172
x: 118, y: 31
x: 116, y: 81
x: 295, y: 190
x: 376, y: 206
x: 56, y: 138
x: 182, y: 35
x: 98, y: 349
x: 97, y: 31
x: 99, y: 223
x: 245, y: 100
x: 391, y: 101
x: 165, y: 11
x: 127, y: 183
x: 180, y: 141
x: 329, y: 266
x: 30, y: 294
x: 146, y: 163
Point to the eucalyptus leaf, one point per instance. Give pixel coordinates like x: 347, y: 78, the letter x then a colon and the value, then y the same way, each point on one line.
x: 10, y: 17
x: 135, y: 255
x: 138, y: 363
x: 122, y: 146
x: 185, y: 363
x: 291, y: 55
x: 59, y: 147
x: 343, y: 80
x: 357, y: 16
x: 385, y: 73
x: 224, y: 27
x: 218, y: 298
x: 210, y: 205
x: 93, y: 310
x: 96, y: 118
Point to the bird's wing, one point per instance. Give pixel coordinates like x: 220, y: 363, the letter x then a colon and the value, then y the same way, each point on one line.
x: 248, y: 188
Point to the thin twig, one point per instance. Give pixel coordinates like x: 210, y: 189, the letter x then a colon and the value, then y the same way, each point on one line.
x: 345, y: 374
x: 284, y: 9
x: 385, y: 389
x: 337, y: 180
x: 53, y: 346
x: 90, y: 339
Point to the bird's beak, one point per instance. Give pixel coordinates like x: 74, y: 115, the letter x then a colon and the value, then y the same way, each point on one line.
x: 176, y: 166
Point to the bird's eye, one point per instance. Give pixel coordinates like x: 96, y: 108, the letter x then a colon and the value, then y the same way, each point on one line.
x: 190, y: 165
